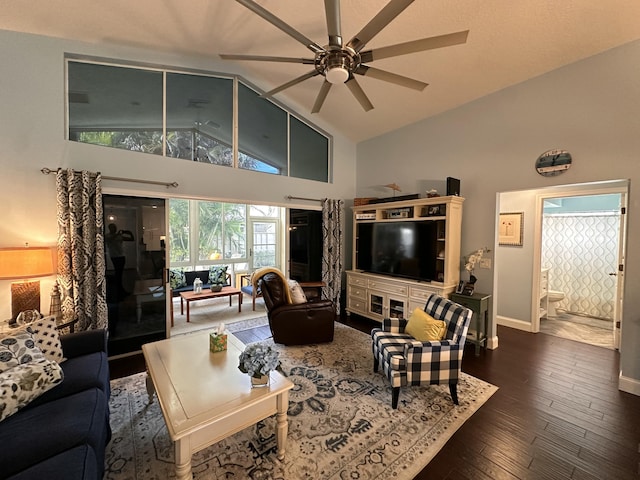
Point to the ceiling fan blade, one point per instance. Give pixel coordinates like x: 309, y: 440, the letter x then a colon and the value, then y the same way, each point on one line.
x: 415, y: 46
x: 377, y: 23
x: 291, y: 83
x: 391, y: 77
x: 322, y: 94
x: 261, y: 58
x: 357, y: 92
x: 332, y: 10
x: 286, y: 28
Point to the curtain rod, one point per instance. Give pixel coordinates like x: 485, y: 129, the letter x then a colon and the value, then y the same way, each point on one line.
x: 290, y: 197
x: 47, y: 171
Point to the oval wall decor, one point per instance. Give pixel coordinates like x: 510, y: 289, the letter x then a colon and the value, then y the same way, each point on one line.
x: 553, y: 162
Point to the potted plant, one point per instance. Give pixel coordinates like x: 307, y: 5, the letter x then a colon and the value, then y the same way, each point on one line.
x: 257, y: 360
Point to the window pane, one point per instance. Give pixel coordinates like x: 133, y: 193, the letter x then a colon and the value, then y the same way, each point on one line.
x: 309, y: 152
x: 262, y: 133
x: 179, y: 230
x: 264, y: 244
x: 122, y: 107
x: 199, y: 118
x: 210, y: 225
x: 115, y: 106
x: 235, y: 230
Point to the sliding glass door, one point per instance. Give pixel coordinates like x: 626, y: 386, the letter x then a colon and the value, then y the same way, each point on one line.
x: 135, y: 249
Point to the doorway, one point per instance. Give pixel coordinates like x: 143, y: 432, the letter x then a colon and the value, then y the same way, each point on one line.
x: 305, y: 245
x: 519, y: 282
x: 580, y: 245
x: 135, y: 263
x: 264, y: 243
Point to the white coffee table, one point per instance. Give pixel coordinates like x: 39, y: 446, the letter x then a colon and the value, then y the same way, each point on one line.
x: 205, y: 398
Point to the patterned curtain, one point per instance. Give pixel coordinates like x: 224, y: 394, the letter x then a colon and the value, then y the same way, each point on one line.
x: 332, y: 249
x: 81, y: 262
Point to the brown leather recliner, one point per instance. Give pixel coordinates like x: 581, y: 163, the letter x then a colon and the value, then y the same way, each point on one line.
x: 295, y: 324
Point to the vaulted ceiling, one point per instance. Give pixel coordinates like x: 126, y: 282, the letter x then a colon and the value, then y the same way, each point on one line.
x: 508, y: 43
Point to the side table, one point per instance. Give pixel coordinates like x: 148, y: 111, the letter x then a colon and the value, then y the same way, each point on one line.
x: 70, y: 324
x: 479, y: 304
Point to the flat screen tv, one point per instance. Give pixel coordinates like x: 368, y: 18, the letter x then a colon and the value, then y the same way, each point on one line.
x: 400, y: 249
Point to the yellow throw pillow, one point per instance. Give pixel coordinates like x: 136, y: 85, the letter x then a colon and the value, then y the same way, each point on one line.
x: 424, y: 327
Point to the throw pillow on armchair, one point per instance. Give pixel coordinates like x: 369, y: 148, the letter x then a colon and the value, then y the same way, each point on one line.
x: 297, y: 294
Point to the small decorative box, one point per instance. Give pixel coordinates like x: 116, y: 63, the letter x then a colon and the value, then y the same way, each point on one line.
x: 217, y: 343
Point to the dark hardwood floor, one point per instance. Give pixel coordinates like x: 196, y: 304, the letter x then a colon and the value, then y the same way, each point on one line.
x: 558, y: 413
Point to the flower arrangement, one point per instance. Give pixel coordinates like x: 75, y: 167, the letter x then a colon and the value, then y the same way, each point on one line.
x: 258, y: 359
x: 472, y: 259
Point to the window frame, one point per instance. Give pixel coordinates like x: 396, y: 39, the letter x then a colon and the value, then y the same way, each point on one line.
x: 194, y: 262
x: 237, y: 80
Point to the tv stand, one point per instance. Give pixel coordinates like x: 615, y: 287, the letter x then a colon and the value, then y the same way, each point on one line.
x: 378, y: 296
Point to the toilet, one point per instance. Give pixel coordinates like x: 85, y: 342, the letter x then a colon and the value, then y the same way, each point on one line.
x: 554, y: 298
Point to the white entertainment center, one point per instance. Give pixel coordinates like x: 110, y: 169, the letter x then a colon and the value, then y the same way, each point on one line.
x: 379, y: 296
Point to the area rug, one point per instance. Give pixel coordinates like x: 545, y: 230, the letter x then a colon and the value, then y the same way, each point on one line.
x: 209, y: 313
x: 341, y: 424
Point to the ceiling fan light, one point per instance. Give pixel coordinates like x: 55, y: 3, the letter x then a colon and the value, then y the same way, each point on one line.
x: 337, y: 74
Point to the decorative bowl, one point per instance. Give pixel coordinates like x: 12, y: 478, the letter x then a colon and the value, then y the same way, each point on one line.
x: 216, y: 288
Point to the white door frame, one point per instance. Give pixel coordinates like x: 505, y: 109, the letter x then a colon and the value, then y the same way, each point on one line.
x: 250, y: 240
x: 537, y: 251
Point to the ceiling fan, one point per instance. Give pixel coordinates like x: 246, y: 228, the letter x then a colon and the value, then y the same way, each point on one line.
x: 338, y: 62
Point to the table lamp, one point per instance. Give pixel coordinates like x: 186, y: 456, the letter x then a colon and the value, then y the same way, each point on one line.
x: 24, y: 263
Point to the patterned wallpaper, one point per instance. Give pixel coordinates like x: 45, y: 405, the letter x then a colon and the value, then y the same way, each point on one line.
x: 581, y: 250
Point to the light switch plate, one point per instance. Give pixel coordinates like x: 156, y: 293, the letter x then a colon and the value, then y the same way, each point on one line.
x: 485, y: 263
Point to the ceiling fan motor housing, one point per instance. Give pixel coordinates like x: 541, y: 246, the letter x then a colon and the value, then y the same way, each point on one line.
x: 336, y: 65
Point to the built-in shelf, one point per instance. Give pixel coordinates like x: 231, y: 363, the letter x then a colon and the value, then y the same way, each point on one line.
x: 380, y: 296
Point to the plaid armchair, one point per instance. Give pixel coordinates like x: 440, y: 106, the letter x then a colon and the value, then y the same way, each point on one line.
x: 407, y: 361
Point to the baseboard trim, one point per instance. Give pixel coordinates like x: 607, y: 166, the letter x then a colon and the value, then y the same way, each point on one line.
x: 629, y: 385
x: 492, y: 342
x: 514, y: 323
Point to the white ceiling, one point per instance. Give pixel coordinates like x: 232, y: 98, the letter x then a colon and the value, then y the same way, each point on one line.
x: 509, y: 42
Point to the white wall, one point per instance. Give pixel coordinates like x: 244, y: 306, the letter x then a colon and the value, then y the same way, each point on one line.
x: 590, y: 108
x: 32, y: 136
x: 514, y: 265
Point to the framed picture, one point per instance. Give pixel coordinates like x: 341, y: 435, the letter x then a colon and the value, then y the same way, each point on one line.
x: 460, y: 286
x: 511, y: 229
x: 433, y: 210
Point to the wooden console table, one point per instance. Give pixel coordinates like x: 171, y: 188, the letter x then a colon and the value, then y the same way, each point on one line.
x: 479, y: 304
x: 315, y: 288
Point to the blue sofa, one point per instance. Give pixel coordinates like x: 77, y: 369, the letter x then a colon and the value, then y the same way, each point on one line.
x: 182, y: 281
x: 63, y: 433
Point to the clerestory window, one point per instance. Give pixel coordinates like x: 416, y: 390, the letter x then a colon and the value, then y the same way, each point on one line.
x: 190, y: 116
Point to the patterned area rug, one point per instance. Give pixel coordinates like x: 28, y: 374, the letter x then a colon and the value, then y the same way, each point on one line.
x: 341, y: 424
x: 246, y: 324
x: 209, y: 313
